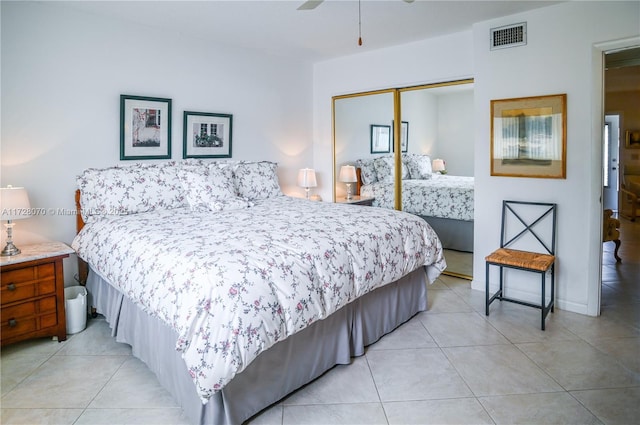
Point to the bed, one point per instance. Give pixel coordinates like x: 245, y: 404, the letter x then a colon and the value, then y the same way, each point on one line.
x: 235, y: 295
x: 444, y: 201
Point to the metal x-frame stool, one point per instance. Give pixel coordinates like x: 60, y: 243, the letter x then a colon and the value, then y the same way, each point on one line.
x: 531, y: 261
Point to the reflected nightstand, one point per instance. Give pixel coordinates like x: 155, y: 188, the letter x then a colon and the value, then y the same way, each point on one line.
x: 356, y: 200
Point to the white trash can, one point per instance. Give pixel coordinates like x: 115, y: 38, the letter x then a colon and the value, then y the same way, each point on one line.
x: 75, y: 301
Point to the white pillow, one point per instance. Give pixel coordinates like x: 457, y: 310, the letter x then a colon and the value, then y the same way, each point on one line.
x: 210, y: 189
x: 129, y: 190
x: 256, y: 180
x: 419, y: 166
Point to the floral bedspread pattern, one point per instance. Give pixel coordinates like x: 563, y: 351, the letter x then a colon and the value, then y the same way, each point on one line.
x: 442, y: 196
x: 235, y: 282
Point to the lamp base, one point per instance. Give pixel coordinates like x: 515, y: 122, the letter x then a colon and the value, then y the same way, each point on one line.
x: 10, y: 249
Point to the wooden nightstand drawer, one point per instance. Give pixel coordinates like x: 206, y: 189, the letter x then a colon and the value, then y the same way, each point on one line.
x: 30, y: 308
x: 27, y: 274
x: 12, y: 328
x: 12, y: 292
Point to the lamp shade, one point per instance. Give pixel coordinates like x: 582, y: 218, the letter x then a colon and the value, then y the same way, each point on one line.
x: 307, y: 177
x: 14, y: 203
x: 437, y: 165
x: 348, y: 174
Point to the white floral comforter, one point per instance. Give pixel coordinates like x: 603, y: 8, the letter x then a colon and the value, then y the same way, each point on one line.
x: 442, y: 196
x: 233, y: 283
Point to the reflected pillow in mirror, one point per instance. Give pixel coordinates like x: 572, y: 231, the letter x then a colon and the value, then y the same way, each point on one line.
x: 419, y: 166
x: 367, y: 171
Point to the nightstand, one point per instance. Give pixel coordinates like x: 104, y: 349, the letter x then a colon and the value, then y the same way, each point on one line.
x: 32, y: 293
x: 356, y: 200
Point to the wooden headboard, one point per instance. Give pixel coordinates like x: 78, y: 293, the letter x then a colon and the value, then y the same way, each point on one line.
x: 83, y: 268
x: 359, y: 181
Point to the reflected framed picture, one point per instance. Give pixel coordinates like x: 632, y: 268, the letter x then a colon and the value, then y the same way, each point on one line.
x: 207, y: 135
x: 529, y: 137
x: 380, y: 138
x: 404, y: 136
x: 632, y: 139
x: 145, y: 127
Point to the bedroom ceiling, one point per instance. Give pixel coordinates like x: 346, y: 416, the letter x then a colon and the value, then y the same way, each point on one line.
x: 330, y: 30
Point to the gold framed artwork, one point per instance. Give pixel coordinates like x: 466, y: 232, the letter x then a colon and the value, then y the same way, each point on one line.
x: 529, y: 137
x: 632, y: 139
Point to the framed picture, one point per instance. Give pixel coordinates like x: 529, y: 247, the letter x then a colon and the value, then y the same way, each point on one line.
x: 529, y: 137
x: 632, y: 139
x: 404, y: 136
x: 207, y: 135
x: 380, y: 138
x: 145, y: 127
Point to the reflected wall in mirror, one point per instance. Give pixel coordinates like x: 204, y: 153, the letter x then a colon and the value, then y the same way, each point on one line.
x: 439, y: 123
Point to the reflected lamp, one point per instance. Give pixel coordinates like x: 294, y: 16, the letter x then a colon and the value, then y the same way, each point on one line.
x: 307, y: 179
x: 438, y: 166
x: 348, y: 176
x: 15, y: 205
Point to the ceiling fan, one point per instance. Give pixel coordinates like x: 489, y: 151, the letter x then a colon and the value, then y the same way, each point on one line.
x: 312, y: 4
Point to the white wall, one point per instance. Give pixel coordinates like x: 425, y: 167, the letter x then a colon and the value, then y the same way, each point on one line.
x: 63, y: 72
x: 456, y: 128
x: 560, y: 57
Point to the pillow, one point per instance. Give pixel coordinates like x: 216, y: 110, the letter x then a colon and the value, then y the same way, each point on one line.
x: 129, y: 190
x: 210, y: 189
x: 367, y: 171
x: 419, y: 166
x: 256, y: 180
x: 385, y: 169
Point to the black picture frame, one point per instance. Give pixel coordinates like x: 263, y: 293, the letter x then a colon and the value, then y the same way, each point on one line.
x: 145, y: 127
x: 404, y: 136
x: 380, y: 138
x: 207, y: 135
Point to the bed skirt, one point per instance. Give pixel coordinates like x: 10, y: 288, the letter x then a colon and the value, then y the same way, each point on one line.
x: 453, y: 234
x: 281, y: 369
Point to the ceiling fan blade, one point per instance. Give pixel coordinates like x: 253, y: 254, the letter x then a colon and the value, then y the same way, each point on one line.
x: 310, y: 4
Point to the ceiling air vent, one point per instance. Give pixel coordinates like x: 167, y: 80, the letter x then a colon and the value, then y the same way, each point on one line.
x: 509, y: 36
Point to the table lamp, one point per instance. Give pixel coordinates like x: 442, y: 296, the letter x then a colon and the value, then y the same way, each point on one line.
x: 15, y: 206
x: 348, y: 176
x: 438, y: 166
x: 307, y: 179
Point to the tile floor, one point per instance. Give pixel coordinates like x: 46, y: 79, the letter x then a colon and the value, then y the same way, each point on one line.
x: 449, y: 365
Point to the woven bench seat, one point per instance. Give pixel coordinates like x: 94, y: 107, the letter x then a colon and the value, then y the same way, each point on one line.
x: 521, y: 259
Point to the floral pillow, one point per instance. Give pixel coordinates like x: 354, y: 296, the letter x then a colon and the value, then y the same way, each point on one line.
x: 210, y: 189
x: 385, y: 169
x: 419, y: 166
x: 367, y: 171
x: 129, y: 190
x: 256, y: 180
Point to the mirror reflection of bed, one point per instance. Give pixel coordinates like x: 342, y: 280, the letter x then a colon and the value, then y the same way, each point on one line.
x: 439, y: 123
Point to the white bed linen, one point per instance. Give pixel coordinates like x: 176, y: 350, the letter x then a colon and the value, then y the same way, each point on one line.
x: 441, y: 196
x: 233, y: 283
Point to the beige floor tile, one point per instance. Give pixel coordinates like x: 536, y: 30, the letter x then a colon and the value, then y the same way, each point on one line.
x: 446, y: 302
x: 158, y: 416
x: 461, y: 329
x: 410, y: 335
x: 499, y: 370
x: 329, y: 414
x: 576, y: 365
x: 29, y: 416
x: 95, y: 340
x: 437, y: 412
x: 416, y: 374
x: 612, y: 406
x: 133, y: 386
x: 548, y: 408
x: 64, y: 382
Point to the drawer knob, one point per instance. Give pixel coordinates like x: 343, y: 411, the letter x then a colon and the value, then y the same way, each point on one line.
x: 13, y: 323
x: 11, y: 287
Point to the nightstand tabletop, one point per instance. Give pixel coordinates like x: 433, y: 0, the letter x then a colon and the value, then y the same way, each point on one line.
x: 37, y: 252
x: 355, y: 200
